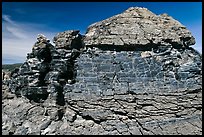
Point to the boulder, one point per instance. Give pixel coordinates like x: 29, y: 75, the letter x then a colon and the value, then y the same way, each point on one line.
x: 137, y: 27
x: 68, y: 40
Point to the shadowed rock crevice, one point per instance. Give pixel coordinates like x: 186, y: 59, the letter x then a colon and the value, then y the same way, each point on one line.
x: 97, y: 121
x: 60, y: 98
x: 47, y: 68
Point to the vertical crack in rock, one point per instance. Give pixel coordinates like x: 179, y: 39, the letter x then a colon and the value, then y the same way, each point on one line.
x: 47, y: 68
x: 143, y: 128
x: 86, y: 117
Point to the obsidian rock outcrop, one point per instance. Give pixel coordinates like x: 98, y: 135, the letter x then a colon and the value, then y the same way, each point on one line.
x: 134, y: 73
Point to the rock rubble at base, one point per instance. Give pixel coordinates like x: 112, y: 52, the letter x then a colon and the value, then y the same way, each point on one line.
x: 133, y: 73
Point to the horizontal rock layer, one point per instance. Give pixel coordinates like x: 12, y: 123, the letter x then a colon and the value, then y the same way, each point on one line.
x: 174, y: 113
x: 103, y: 73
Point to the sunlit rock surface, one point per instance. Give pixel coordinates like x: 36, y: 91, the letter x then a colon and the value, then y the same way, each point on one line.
x: 133, y: 73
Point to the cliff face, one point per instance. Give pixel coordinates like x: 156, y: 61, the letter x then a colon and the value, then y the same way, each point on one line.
x: 133, y: 73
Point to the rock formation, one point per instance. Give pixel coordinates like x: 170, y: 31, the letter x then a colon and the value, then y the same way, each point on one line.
x: 133, y: 73
x: 139, y: 27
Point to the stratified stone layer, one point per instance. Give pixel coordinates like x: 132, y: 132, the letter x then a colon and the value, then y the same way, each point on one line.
x: 106, y: 73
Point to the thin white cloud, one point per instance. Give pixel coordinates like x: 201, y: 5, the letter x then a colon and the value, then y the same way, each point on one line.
x: 12, y: 27
x: 8, y: 19
x: 16, y: 31
x: 18, y: 39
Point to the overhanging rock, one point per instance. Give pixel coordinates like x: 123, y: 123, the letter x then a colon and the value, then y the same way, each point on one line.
x: 137, y: 27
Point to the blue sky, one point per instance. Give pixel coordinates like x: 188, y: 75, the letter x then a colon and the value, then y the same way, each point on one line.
x: 22, y: 21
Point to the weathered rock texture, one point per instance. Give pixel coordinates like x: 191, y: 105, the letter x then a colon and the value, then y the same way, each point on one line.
x: 139, y: 27
x: 133, y: 73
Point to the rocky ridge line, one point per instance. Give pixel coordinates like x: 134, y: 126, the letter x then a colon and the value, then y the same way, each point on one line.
x: 139, y: 27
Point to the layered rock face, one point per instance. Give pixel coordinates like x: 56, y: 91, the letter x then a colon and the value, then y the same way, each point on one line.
x: 139, y: 27
x: 133, y: 73
x: 47, y: 68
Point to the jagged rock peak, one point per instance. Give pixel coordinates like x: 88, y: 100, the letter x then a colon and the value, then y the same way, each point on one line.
x: 139, y: 27
x: 68, y: 39
x: 42, y: 38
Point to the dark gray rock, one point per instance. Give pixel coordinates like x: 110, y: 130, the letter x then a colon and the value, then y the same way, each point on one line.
x: 190, y: 67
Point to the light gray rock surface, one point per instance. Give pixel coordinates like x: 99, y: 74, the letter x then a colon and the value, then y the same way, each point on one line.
x: 68, y: 39
x: 175, y: 113
x: 138, y: 27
